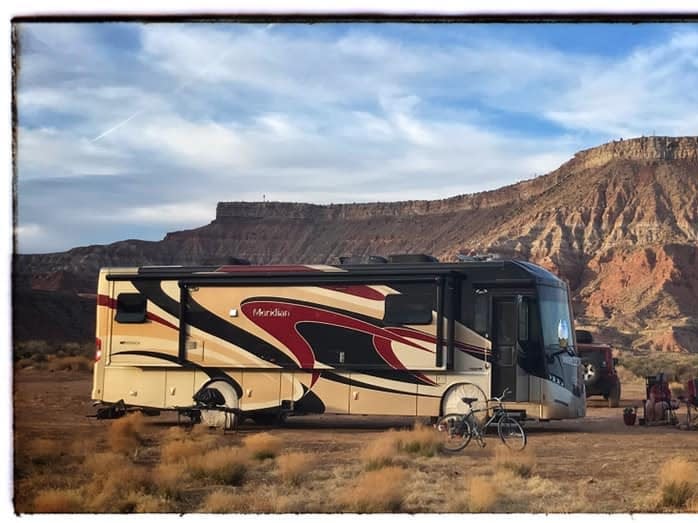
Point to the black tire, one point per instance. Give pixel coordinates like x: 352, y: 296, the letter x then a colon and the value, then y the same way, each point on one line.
x: 591, y: 373
x: 511, y: 433
x: 455, y: 431
x: 614, y: 395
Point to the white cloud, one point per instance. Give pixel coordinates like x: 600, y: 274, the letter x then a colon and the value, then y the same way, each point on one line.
x: 172, y: 215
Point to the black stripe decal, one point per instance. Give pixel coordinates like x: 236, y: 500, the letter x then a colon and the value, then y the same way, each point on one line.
x: 203, y: 319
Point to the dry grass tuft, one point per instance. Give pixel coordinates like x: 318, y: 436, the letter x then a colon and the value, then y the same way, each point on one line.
x: 376, y: 491
x: 70, y: 363
x: 58, y: 501
x: 263, y: 445
x: 678, y: 483
x: 294, y: 467
x: 146, y: 503
x: 227, y: 465
x: 44, y: 451
x: 182, y: 449
x: 521, y: 463
x: 381, y: 451
x: 421, y: 440
x: 228, y: 501
x: 482, y: 494
x: 101, y: 461
x: 220, y: 502
x: 125, y: 434
x: 692, y: 505
x: 169, y: 479
x: 119, y: 489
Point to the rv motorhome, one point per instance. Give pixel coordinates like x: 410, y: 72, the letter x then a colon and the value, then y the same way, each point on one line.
x: 397, y: 336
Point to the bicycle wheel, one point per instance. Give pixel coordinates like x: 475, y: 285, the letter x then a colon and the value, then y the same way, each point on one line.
x: 455, y: 431
x: 511, y: 433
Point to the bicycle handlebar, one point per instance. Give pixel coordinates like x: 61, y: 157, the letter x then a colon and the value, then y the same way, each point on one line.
x: 506, y: 392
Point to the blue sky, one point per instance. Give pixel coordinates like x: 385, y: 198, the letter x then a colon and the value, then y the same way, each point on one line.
x: 132, y: 130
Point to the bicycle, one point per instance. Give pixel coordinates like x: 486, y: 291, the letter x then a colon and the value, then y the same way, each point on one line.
x: 459, y: 429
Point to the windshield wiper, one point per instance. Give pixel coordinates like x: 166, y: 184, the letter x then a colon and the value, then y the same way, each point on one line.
x: 561, y: 350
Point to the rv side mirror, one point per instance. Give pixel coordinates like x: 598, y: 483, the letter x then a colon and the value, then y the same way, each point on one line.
x: 615, y: 362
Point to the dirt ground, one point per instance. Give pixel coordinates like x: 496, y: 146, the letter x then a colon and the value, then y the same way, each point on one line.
x: 595, y: 464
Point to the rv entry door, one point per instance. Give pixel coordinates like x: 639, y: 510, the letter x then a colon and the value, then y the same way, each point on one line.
x: 504, y: 346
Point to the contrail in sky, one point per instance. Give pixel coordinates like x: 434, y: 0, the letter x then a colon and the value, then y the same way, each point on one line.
x: 179, y: 88
x: 117, y: 125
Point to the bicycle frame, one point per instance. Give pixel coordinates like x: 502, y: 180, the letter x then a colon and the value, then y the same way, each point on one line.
x: 461, y: 428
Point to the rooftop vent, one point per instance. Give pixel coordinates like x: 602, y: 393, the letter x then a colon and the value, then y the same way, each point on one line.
x: 477, y: 257
x: 412, y: 258
x: 361, y: 260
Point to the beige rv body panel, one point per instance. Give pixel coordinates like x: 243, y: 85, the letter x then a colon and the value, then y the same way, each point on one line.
x: 142, y: 365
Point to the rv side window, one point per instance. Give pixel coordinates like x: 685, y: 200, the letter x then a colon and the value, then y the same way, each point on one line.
x: 130, y: 308
x: 401, y: 309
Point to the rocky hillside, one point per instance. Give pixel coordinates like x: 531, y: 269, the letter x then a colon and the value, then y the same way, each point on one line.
x: 619, y: 222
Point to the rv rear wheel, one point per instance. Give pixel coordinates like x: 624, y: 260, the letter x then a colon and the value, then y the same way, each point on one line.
x: 224, y: 416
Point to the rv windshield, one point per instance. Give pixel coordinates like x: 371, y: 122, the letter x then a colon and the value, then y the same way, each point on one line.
x: 555, y: 319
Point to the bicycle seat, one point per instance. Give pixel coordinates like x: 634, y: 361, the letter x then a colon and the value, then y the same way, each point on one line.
x: 469, y: 401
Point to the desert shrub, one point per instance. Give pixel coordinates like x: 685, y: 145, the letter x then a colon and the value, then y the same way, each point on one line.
x: 98, y: 462
x: 44, y: 451
x: 220, y: 502
x: 421, y: 440
x: 226, y: 502
x: 521, y: 464
x: 227, y: 465
x: 169, y: 479
x: 381, y: 451
x: 39, y: 357
x: 126, y: 433
x: 678, y: 483
x: 69, y: 348
x: 263, y: 445
x: 25, y: 363
x: 482, y: 494
x: 114, y: 489
x: 678, y: 367
x: 71, y: 363
x: 380, y: 490
x: 182, y: 449
x: 479, y: 494
x: 30, y: 347
x: 148, y: 503
x: 294, y: 467
x: 58, y: 501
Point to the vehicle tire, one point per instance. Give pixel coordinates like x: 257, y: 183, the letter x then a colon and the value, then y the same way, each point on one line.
x: 222, y: 418
x: 591, y: 373
x: 453, y: 403
x: 614, y: 395
x: 511, y: 433
x: 455, y: 432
